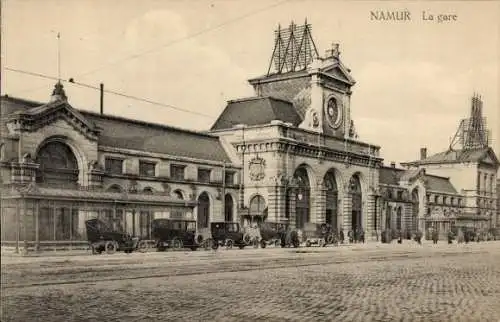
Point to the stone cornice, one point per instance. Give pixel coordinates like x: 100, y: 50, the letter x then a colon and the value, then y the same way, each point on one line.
x: 24, y: 122
x: 304, y: 149
x: 165, y: 157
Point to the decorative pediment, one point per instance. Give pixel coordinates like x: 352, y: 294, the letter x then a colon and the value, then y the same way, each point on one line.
x: 32, y: 119
x: 339, y: 72
x: 490, y: 158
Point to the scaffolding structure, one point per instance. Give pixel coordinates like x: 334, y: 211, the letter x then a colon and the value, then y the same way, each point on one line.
x: 294, y: 49
x: 472, y: 133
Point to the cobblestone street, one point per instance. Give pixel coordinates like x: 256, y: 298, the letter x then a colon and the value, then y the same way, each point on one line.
x: 348, y: 283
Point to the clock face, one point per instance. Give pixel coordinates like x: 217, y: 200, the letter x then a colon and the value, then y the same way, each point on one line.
x: 333, y: 112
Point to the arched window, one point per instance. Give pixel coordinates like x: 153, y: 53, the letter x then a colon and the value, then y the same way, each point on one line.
x: 178, y: 194
x: 302, y: 199
x: 356, y: 203
x: 203, y: 210
x: 398, y: 219
x: 148, y: 190
x: 228, y: 206
x: 58, y: 164
x: 331, y: 199
x: 115, y: 188
x: 257, y: 206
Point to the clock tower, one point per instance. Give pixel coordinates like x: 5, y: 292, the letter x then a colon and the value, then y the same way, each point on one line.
x: 330, y: 84
x: 318, y: 87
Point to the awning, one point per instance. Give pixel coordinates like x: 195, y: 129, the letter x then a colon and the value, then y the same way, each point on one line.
x: 36, y: 192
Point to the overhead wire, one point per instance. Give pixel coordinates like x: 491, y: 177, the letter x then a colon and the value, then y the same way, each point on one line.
x: 145, y: 100
x: 196, y: 34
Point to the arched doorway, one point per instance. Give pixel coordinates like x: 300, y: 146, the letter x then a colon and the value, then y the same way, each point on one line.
x: 228, y: 208
x: 399, y: 219
x: 356, y: 203
x: 203, y: 211
x: 415, y: 209
x: 258, y: 209
x: 388, y: 217
x: 303, y: 200
x: 58, y: 164
x: 331, y: 199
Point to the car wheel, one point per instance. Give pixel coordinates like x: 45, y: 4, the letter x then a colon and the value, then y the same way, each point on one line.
x: 142, y: 246
x: 177, y: 244
x: 308, y: 243
x: 241, y: 246
x: 110, y: 247
x: 263, y: 244
x: 247, y: 239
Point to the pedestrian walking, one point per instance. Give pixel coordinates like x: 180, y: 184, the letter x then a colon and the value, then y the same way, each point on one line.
x: 435, y: 236
x: 341, y: 236
x: 418, y: 236
x: 450, y: 237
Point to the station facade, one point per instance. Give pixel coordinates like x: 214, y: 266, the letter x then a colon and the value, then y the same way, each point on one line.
x: 290, y: 154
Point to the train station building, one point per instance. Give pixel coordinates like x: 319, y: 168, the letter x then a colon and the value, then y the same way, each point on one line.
x: 289, y: 154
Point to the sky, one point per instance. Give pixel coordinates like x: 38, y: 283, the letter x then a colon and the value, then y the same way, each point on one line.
x: 414, y: 79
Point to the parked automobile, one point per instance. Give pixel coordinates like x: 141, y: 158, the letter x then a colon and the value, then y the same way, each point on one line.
x: 174, y: 233
x: 227, y: 234
x: 102, y: 238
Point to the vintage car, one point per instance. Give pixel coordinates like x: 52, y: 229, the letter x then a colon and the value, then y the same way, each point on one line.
x: 314, y: 234
x: 227, y: 234
x: 174, y: 233
x: 272, y: 234
x: 102, y: 238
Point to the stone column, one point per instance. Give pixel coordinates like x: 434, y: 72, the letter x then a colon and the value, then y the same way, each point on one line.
x: 369, y: 217
x: 347, y: 214
x: 319, y: 207
x: 291, y: 206
x: 407, y: 216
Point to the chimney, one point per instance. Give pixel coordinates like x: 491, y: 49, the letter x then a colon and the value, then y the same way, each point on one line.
x: 423, y: 153
x: 393, y: 164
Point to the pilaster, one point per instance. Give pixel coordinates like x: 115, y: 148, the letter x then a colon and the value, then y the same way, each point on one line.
x: 291, y: 207
x: 369, y: 216
x: 347, y: 214
x: 319, y: 209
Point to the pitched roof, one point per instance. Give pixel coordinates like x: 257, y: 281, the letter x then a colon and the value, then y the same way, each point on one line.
x: 137, y: 135
x: 392, y: 176
x: 126, y: 133
x: 441, y: 184
x: 389, y: 175
x: 457, y: 156
x: 256, y: 111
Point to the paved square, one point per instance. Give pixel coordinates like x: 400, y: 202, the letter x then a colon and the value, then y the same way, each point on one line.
x: 357, y: 283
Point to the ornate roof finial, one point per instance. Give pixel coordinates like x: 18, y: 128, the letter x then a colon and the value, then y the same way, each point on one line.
x: 58, y: 93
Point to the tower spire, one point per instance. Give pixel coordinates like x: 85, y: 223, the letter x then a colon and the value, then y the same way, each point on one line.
x: 59, y: 57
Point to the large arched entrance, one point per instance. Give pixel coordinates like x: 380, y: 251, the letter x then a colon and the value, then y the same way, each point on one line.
x: 228, y: 208
x: 58, y: 164
x: 58, y: 167
x: 356, y: 203
x: 258, y: 210
x: 415, y: 209
x: 331, y: 199
x: 303, y: 198
x: 203, y: 216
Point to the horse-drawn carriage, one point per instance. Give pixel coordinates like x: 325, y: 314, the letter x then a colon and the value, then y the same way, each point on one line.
x: 102, y: 238
x: 174, y: 234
